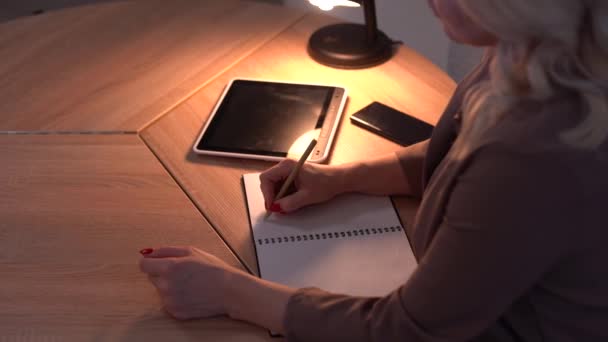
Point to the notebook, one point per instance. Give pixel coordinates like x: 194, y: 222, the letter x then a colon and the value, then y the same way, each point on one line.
x: 354, y: 244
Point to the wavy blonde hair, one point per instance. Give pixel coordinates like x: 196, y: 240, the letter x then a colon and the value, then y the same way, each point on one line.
x: 544, y: 46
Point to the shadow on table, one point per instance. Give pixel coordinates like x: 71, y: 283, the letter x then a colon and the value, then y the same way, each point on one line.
x: 245, y: 165
x: 159, y: 326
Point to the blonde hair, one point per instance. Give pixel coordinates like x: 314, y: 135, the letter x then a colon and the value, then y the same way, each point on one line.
x: 544, y: 46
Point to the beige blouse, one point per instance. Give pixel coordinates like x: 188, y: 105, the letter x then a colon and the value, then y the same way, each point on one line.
x: 512, y: 243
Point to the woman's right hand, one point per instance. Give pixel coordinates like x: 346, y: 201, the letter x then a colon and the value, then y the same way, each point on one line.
x: 314, y: 184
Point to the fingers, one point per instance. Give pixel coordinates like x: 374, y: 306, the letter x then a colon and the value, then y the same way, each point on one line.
x: 159, y: 261
x: 170, y: 252
x: 295, y: 201
x: 269, y: 192
x: 162, y: 287
x: 273, y: 176
x: 155, y: 266
x: 161, y: 283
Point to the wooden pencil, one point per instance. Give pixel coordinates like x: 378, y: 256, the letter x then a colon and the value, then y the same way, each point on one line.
x: 294, y: 173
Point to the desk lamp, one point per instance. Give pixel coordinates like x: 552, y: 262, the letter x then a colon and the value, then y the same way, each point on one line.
x: 350, y: 46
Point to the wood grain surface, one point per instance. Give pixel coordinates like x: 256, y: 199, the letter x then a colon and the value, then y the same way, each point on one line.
x: 408, y: 82
x: 75, y: 209
x: 75, y: 212
x: 117, y: 66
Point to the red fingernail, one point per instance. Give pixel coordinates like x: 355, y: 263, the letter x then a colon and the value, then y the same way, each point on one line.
x: 146, y: 251
x: 276, y: 207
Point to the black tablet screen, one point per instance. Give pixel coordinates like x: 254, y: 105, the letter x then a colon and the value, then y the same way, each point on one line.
x: 266, y: 117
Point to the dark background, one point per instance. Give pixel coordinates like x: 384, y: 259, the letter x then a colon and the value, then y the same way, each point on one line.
x: 11, y: 9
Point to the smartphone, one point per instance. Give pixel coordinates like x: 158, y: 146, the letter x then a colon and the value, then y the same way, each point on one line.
x: 392, y: 124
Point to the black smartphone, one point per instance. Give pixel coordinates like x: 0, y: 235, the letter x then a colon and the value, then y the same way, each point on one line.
x: 392, y: 124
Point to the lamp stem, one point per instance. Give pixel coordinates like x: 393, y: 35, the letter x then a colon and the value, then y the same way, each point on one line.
x: 371, y: 25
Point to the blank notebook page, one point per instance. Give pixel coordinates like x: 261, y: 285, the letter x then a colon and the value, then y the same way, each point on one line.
x: 353, y: 244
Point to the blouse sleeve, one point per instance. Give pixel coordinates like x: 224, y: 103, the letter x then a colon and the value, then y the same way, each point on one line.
x: 412, y: 162
x: 506, y: 224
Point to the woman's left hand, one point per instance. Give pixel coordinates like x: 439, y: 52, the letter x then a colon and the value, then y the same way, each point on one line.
x: 190, y: 282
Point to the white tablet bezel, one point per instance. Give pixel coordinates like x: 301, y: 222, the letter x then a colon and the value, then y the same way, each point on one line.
x: 318, y: 156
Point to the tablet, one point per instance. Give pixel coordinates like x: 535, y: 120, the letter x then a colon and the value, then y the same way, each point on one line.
x: 270, y: 120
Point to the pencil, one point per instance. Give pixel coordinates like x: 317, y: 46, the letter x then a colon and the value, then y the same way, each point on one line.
x: 294, y: 173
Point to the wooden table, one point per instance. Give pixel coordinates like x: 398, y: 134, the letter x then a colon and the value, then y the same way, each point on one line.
x: 99, y: 107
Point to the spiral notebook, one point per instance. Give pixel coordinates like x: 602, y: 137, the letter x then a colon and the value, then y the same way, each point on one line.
x: 354, y: 244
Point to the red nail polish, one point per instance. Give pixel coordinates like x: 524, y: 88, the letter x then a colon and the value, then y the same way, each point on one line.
x: 276, y: 207
x: 146, y: 251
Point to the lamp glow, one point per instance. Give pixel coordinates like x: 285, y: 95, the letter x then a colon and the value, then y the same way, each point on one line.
x: 297, y: 149
x: 328, y: 5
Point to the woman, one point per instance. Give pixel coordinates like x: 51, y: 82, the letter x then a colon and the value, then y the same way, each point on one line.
x: 511, y: 234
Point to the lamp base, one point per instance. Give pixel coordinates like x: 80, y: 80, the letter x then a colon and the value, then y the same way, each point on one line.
x: 346, y: 46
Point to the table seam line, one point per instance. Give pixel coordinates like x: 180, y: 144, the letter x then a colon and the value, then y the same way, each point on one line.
x: 193, y: 202
x: 194, y: 91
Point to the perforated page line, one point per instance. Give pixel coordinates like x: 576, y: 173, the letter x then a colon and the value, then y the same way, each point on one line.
x: 330, y: 235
